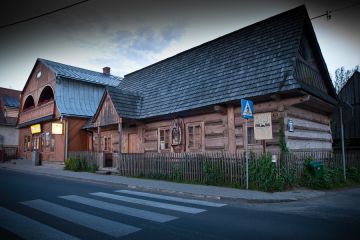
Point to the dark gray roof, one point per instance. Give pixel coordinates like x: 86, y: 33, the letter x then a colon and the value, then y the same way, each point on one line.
x: 67, y: 71
x: 10, y: 101
x: 252, y: 61
x: 126, y: 103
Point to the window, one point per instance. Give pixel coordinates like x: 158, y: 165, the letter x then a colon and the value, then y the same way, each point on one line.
x: 164, y: 139
x: 107, y: 143
x: 36, y: 142
x: 52, y: 143
x: 251, y: 136
x: 27, y: 142
x: 194, y: 137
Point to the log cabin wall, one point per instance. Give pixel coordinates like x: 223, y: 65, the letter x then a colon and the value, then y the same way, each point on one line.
x: 223, y: 129
x: 213, y: 133
x: 312, y: 131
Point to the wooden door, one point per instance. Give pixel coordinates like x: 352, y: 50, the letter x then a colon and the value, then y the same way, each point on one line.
x: 133, y: 143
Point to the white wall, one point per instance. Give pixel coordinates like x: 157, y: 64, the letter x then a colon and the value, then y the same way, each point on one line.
x: 10, y: 136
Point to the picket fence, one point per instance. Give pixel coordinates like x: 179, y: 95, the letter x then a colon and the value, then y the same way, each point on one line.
x: 203, y: 167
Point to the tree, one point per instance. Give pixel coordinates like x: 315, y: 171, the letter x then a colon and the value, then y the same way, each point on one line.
x: 342, y: 75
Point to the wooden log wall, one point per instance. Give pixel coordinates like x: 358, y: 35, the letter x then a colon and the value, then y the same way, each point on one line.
x: 312, y: 131
x: 215, y: 131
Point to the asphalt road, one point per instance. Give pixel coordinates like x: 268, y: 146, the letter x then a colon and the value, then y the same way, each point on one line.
x: 41, y: 207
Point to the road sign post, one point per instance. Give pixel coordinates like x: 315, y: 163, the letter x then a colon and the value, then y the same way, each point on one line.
x: 247, y: 110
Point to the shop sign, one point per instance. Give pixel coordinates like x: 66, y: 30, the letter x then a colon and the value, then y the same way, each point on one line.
x: 35, y: 128
x: 56, y: 128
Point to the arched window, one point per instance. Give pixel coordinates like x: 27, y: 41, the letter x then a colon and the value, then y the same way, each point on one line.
x: 46, y: 95
x: 29, y: 103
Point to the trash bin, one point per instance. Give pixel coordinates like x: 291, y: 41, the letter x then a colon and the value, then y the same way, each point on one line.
x: 35, y: 158
x: 317, y: 168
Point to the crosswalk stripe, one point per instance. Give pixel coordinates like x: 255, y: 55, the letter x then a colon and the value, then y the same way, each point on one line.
x: 28, y: 228
x: 99, y: 224
x: 175, y: 199
x: 148, y: 215
x: 150, y: 203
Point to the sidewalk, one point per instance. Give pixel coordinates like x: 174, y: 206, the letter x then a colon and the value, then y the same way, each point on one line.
x: 220, y: 193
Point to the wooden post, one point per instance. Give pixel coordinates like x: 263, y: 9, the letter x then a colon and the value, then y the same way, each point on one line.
x: 231, y: 129
x: 120, y: 135
x: 99, y: 138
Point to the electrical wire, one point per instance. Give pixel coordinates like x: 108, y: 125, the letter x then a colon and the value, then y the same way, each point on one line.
x: 328, y: 13
x: 42, y: 15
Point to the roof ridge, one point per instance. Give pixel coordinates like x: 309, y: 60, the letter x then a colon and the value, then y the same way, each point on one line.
x: 221, y: 37
x: 45, y: 61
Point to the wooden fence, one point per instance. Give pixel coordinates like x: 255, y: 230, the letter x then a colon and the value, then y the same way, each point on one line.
x: 228, y: 168
x: 8, y: 153
x: 90, y: 157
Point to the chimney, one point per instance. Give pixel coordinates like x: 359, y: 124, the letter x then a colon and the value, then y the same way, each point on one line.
x: 106, y: 70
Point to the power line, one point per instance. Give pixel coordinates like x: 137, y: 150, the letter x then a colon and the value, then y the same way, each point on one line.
x: 328, y: 12
x: 42, y: 15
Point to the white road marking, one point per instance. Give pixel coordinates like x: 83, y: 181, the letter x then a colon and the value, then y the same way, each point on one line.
x: 150, y: 203
x: 28, y: 228
x: 148, y: 215
x: 96, y: 223
x: 175, y: 199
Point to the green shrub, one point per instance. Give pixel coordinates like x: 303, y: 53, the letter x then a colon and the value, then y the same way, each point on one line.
x: 264, y: 175
x: 353, y: 174
x: 79, y: 165
x: 325, y: 179
x: 212, y: 173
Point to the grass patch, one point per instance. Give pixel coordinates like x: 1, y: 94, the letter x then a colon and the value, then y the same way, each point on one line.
x: 79, y: 165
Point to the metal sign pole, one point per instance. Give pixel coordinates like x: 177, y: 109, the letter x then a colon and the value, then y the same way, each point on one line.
x: 342, y: 143
x: 247, y: 155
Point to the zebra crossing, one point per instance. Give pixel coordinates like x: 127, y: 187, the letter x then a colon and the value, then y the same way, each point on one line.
x: 110, y: 202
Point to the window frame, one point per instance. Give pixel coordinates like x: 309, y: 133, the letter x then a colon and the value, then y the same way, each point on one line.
x: 107, y: 144
x: 27, y: 143
x: 169, y: 149
x: 246, y: 141
x: 202, y: 137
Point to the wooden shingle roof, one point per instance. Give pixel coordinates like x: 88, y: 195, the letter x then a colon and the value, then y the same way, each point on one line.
x: 254, y: 61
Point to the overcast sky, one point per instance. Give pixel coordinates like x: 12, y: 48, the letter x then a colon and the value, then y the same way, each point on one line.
x: 130, y: 34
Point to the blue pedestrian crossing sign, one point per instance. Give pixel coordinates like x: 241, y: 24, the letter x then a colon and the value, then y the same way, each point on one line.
x: 247, y: 109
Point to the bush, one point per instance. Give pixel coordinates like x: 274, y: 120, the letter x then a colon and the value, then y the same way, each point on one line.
x: 79, y: 165
x: 353, y: 174
x: 327, y: 178
x: 212, y: 173
x: 264, y: 175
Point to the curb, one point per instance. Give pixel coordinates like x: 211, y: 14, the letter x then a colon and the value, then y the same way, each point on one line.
x: 132, y: 186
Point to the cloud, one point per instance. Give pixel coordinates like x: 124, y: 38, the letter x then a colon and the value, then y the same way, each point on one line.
x: 129, y: 50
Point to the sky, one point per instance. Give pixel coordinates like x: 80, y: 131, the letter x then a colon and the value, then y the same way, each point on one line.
x: 127, y: 35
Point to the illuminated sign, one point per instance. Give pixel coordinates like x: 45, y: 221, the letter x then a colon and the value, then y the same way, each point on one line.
x: 35, y: 129
x: 57, y: 128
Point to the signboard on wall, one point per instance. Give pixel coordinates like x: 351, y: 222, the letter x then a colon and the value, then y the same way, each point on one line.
x: 56, y: 128
x: 262, y: 126
x: 35, y: 128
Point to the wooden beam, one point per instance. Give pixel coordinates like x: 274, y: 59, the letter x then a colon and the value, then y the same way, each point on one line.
x: 220, y: 109
x: 231, y: 129
x: 99, y: 138
x: 120, y: 134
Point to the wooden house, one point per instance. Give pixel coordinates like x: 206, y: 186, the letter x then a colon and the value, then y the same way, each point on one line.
x: 191, y: 102
x: 9, y: 109
x: 349, y: 94
x: 57, y: 100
